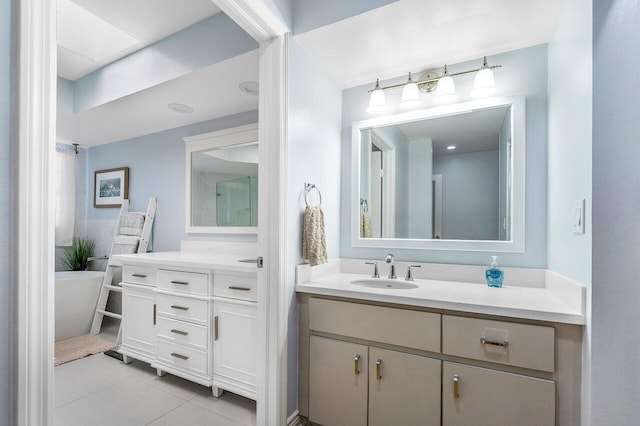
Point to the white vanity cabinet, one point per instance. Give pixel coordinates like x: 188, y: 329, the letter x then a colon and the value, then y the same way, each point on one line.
x: 235, y: 341
x: 193, y: 322
x: 138, y: 321
x: 379, y: 364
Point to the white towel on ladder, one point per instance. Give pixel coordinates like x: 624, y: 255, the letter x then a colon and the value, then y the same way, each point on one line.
x: 314, y: 244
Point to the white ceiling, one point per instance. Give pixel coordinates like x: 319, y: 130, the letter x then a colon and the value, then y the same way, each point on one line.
x: 146, y: 21
x: 212, y: 92
x: 416, y: 35
x: 471, y: 132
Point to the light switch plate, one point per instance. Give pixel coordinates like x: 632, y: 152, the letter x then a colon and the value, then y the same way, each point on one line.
x: 577, y: 217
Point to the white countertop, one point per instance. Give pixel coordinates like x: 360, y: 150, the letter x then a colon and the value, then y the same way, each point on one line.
x: 206, y: 260
x: 535, y: 303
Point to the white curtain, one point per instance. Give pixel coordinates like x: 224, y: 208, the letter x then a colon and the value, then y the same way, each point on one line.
x: 65, y: 187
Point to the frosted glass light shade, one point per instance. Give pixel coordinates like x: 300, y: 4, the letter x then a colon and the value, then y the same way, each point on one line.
x: 410, y: 96
x: 377, y: 102
x: 484, y: 84
x: 446, y: 90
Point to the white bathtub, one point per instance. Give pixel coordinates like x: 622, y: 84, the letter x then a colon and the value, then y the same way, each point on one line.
x: 76, y: 298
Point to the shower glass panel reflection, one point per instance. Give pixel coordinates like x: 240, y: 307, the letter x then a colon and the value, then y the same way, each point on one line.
x: 237, y: 202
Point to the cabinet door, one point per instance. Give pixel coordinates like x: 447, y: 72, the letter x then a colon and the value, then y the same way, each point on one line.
x: 487, y: 397
x: 337, y: 382
x: 138, y: 318
x: 404, y: 389
x: 235, y: 345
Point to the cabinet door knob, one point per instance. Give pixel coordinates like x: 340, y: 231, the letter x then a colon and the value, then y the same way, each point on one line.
x: 378, y: 366
x: 456, y: 380
x: 356, y: 361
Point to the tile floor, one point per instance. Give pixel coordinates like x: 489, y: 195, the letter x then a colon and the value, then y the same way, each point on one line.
x: 99, y: 390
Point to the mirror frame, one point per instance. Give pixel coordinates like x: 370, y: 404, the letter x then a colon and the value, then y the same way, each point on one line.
x: 518, y: 132
x: 213, y: 140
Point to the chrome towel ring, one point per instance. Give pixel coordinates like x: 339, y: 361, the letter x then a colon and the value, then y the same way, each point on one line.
x: 308, y: 187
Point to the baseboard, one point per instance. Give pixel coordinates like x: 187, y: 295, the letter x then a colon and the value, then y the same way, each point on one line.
x: 296, y: 419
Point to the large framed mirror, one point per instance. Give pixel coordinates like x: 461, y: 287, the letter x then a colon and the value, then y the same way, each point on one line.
x: 221, y: 181
x: 446, y: 178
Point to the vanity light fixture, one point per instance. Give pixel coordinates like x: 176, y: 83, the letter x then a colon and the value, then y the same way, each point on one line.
x: 443, y: 84
x: 446, y: 90
x: 410, y: 95
x: 451, y: 147
x: 377, y: 102
x: 484, y: 84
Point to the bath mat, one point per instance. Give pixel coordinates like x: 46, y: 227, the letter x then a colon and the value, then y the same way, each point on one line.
x: 79, y: 347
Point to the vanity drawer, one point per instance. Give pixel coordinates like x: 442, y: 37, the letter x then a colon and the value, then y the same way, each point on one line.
x: 235, y: 286
x: 183, y: 308
x: 519, y: 345
x: 184, y: 282
x: 183, y: 333
x: 182, y: 358
x: 402, y: 327
x: 139, y: 275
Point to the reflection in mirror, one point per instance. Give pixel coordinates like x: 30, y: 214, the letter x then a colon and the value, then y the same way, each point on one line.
x: 446, y: 177
x: 224, y: 186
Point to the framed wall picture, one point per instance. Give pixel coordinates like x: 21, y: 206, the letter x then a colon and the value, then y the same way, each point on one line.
x: 110, y: 187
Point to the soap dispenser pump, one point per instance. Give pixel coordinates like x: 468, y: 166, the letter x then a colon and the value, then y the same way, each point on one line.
x: 494, y: 275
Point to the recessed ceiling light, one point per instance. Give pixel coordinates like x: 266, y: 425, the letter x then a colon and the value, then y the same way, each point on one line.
x: 451, y: 147
x: 249, y: 87
x: 181, y: 108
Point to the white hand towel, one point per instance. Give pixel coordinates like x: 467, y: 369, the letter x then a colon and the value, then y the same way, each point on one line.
x: 131, y: 224
x: 125, y: 244
x: 365, y: 225
x: 314, y: 245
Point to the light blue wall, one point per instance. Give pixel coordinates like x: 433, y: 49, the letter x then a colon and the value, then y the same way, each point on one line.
x: 311, y: 14
x: 524, y: 71
x: 156, y: 168
x: 5, y: 226
x: 616, y: 202
x: 205, y: 43
x: 313, y: 156
x: 570, y: 159
x: 570, y: 114
x: 469, y: 195
x: 64, y: 101
x: 282, y: 9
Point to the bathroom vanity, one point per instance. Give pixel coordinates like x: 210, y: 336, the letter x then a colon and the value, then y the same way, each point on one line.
x: 194, y: 316
x: 375, y: 351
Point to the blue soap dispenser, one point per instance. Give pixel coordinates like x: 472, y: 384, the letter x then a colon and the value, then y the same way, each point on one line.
x: 494, y: 274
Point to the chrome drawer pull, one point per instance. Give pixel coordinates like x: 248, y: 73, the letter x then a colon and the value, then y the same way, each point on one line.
x: 139, y: 275
x: 175, y: 355
x: 504, y: 344
x: 182, y: 308
x: 180, y: 332
x: 180, y: 282
x: 233, y: 287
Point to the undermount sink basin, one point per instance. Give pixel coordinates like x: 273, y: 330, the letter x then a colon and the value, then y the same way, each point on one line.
x: 385, y: 284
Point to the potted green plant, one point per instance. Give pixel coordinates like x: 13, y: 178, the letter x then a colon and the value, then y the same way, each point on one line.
x: 76, y: 257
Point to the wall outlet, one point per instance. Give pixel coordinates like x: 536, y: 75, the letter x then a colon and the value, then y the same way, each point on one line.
x: 577, y: 217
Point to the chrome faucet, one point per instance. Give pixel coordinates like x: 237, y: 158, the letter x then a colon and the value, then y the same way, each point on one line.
x: 391, y: 260
x: 409, y: 276
x: 375, y: 269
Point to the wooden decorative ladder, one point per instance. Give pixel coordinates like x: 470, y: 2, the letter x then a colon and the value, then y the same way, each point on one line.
x: 107, y: 285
